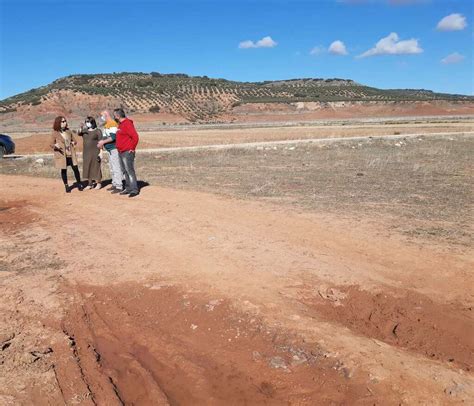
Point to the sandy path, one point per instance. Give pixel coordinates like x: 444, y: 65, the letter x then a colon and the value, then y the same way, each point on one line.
x: 393, y: 321
x: 251, y: 145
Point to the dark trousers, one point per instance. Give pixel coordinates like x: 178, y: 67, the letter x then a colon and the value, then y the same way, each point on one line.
x: 127, y: 161
x: 75, y: 169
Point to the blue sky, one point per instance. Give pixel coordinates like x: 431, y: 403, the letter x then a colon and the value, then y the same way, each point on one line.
x: 43, y: 40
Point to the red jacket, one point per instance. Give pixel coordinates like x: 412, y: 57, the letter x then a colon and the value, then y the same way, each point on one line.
x: 127, y: 136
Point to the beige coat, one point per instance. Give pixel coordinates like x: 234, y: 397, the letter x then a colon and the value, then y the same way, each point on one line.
x: 60, y: 156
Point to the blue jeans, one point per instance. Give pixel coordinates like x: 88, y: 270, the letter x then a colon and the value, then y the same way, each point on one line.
x: 127, y: 161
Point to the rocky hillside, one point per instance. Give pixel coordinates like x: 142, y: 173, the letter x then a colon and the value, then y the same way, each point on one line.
x: 196, y: 99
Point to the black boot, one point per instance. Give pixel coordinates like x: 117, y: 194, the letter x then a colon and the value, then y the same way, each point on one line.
x: 68, y: 188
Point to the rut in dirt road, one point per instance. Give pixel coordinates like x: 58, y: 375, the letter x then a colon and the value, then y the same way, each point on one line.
x: 141, y: 344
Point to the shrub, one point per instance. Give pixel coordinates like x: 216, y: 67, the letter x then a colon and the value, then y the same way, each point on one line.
x: 145, y: 83
x: 8, y: 110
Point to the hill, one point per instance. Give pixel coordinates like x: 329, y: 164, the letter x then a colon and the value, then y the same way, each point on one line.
x: 198, y: 98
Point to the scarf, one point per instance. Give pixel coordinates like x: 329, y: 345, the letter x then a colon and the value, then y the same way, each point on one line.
x: 67, y: 141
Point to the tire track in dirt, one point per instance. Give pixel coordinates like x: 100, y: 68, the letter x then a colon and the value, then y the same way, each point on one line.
x: 160, y: 345
x: 36, y: 358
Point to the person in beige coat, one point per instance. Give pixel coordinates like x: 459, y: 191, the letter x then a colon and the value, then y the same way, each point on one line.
x: 63, y: 143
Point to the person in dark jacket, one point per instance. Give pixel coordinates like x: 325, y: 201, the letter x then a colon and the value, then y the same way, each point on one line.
x: 91, y: 167
x: 126, y: 141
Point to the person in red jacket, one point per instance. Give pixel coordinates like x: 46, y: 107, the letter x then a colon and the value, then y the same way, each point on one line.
x: 126, y: 141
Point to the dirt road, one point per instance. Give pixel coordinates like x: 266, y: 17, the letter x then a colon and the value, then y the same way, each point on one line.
x: 180, y: 297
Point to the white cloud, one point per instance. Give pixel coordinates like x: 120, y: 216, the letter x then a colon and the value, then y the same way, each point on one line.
x: 337, y: 48
x: 265, y: 42
x: 455, y: 57
x: 453, y: 22
x: 317, y: 50
x: 247, y: 44
x: 391, y: 45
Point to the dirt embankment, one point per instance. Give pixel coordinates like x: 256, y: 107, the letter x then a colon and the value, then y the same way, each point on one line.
x: 268, y: 112
x: 404, y: 321
x: 77, y: 106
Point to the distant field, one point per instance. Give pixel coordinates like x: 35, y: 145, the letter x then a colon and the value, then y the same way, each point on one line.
x: 28, y: 143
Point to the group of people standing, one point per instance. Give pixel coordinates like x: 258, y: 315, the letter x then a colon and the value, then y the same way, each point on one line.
x: 118, y: 137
